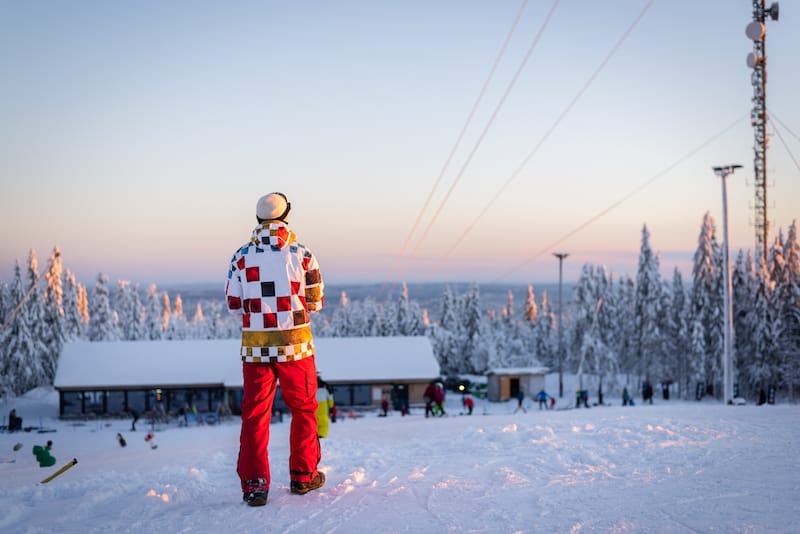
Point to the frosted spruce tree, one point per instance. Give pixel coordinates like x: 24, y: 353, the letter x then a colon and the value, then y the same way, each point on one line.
x: 340, y: 322
x: 649, y: 339
x: 199, y: 324
x: 679, y: 337
x: 102, y: 324
x: 545, y: 342
x: 409, y: 316
x: 137, y: 330
x: 446, y: 335
x: 42, y: 363
x: 126, y: 310
x: 20, y: 350
x: 625, y: 343
x: 54, y: 318
x: 706, y: 304
x: 73, y: 326
x: 748, y: 320
x: 153, y: 314
x: 510, y: 349
x: 476, y: 348
x: 177, y: 325
x: 787, y: 289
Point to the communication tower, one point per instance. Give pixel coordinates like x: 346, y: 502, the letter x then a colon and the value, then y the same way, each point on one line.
x: 757, y: 60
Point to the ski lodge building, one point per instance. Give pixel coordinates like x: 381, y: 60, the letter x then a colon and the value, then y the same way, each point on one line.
x: 115, y: 377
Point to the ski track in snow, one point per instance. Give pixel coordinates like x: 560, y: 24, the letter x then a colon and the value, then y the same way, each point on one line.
x: 677, y: 467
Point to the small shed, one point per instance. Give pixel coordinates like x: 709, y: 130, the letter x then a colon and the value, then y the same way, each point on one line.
x: 503, y: 384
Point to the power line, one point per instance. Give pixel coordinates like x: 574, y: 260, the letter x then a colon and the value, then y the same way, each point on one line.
x: 551, y: 129
x: 791, y: 155
x: 634, y: 191
x: 489, y: 123
x: 457, y: 143
x: 783, y: 125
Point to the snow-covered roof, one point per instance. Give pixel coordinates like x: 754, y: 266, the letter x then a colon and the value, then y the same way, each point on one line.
x: 118, y: 364
x: 375, y: 359
x: 506, y: 371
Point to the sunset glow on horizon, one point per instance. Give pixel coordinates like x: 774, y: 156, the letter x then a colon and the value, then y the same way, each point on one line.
x: 138, y: 137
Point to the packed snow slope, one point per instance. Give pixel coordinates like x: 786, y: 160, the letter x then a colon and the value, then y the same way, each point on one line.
x: 671, y: 467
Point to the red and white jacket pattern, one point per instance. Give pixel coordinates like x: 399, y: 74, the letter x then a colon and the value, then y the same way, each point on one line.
x: 274, y: 282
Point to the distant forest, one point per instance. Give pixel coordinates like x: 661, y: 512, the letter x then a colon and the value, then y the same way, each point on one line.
x: 644, y: 328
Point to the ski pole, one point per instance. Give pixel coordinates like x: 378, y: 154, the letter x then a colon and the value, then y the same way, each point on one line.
x: 54, y: 475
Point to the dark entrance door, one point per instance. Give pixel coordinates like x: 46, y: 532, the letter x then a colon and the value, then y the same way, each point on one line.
x: 513, y: 387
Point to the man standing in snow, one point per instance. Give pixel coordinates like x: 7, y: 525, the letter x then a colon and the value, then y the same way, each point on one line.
x: 274, y: 282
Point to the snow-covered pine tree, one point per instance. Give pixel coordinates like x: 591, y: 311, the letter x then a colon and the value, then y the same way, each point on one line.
x: 787, y: 290
x: 545, y: 344
x: 584, y: 303
x: 762, y: 368
x: 41, y: 364
x: 745, y: 323
x: 73, y: 325
x: 679, y: 336
x: 340, y: 322
x: 53, y: 315
x: 697, y: 354
x: 625, y: 344
x: 20, y: 370
x: 369, y: 318
x: 102, y: 326
x: 476, y: 353
x: 531, y: 309
x: 138, y: 320
x: 5, y: 302
x: 446, y: 335
x: 388, y: 321
x: 154, y: 314
x: 409, y: 316
x: 166, y: 312
x: 177, y: 325
x: 199, y: 324
x: 707, y: 302
x: 5, y: 310
x: 83, y: 307
x: 511, y: 349
x: 647, y: 312
x: 123, y: 305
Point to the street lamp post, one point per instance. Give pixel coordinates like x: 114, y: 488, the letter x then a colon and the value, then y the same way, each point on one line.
x: 560, y: 256
x: 727, y: 353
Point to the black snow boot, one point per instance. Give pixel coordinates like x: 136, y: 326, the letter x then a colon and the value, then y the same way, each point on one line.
x: 255, y: 498
x: 255, y: 492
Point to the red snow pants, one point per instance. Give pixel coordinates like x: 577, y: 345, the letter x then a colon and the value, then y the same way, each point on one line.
x: 298, y: 380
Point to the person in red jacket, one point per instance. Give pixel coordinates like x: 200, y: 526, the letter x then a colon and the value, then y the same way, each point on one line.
x: 274, y: 283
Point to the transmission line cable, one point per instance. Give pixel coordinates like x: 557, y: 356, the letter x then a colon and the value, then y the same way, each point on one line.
x: 634, y: 191
x: 783, y: 125
x: 457, y: 143
x: 488, y: 124
x: 552, y: 128
x: 791, y: 155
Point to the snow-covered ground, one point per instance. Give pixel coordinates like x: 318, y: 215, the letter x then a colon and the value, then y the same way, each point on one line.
x: 671, y: 467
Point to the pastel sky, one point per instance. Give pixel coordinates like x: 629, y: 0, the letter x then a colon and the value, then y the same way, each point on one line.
x: 137, y: 136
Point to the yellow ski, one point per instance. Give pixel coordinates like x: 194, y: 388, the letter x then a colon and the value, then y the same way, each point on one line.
x: 54, y: 475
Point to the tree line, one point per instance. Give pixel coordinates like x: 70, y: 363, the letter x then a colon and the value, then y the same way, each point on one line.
x: 642, y: 328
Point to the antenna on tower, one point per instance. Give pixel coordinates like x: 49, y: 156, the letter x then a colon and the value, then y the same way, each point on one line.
x: 756, y: 31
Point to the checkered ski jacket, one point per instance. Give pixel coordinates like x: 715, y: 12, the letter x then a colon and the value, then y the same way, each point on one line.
x: 274, y: 283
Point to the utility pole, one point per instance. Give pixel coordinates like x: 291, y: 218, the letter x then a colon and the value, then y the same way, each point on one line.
x: 727, y: 352
x: 560, y: 256
x: 757, y: 60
